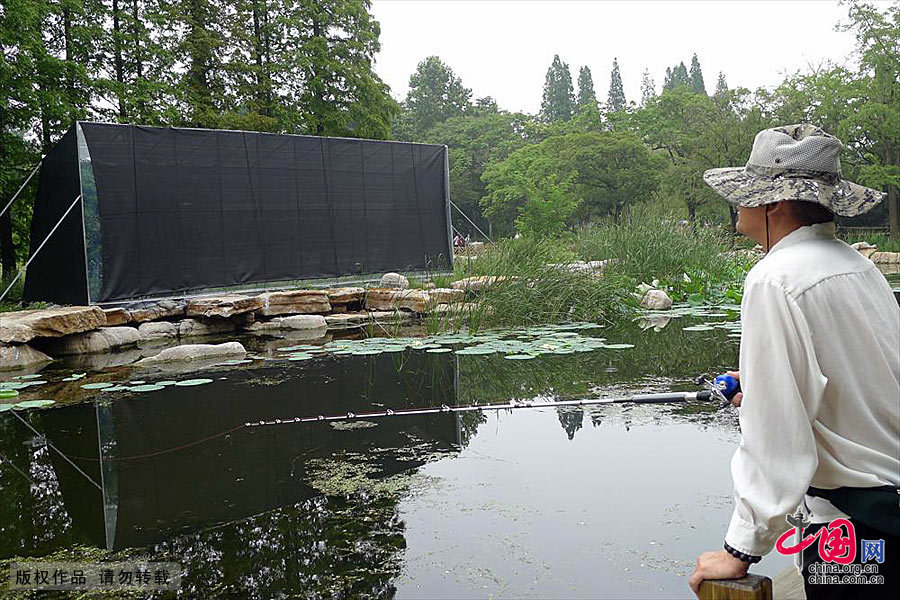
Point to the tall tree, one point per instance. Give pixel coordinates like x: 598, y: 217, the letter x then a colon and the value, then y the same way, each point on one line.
x: 616, y: 100
x: 648, y: 88
x: 696, y: 75
x: 558, y: 103
x: 435, y: 94
x: 721, y: 84
x: 676, y: 76
x: 586, y: 95
x: 202, y: 86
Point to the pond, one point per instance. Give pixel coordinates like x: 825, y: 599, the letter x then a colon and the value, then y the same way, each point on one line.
x: 611, y: 500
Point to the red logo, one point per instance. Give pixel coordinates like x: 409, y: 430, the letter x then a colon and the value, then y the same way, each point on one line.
x: 837, y: 542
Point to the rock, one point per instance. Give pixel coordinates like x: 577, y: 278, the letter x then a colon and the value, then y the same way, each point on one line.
x: 164, y: 309
x: 394, y: 280
x: 345, y: 295
x: 385, y: 299
x: 290, y: 323
x: 885, y: 257
x: 476, y: 284
x: 243, y: 320
x: 864, y: 248
x: 21, y: 356
x: 429, y: 285
x: 224, y: 306
x: 347, y: 320
x: 655, y: 323
x: 157, y: 331
x: 196, y: 328
x: 116, y: 316
x: 294, y: 302
x: 25, y: 325
x: 102, y: 340
x: 445, y: 296
x: 190, y: 352
x: 656, y: 300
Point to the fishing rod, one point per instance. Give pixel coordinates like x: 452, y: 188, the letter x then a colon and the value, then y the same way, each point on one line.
x: 717, y: 390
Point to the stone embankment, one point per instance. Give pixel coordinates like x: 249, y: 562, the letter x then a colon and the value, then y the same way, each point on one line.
x: 31, y: 338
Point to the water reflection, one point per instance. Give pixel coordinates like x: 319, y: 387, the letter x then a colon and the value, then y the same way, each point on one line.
x: 317, y: 509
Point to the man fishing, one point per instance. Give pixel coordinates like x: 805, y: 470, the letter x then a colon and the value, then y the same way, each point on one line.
x: 820, y: 374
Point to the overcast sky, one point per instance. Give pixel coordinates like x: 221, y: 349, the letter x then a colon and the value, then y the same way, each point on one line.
x: 503, y: 48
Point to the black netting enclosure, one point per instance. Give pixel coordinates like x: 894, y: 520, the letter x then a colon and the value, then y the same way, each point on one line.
x: 170, y: 211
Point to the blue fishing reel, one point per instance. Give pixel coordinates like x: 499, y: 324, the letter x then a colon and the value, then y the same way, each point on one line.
x: 724, y: 388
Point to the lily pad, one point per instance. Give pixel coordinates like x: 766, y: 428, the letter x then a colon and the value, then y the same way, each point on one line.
x: 439, y: 350
x: 192, y: 382
x: 166, y: 382
x: 518, y: 356
x: 96, y: 386
x: 32, y: 376
x: 8, y: 394
x: 74, y: 377
x: 698, y: 328
x: 32, y: 404
x: 235, y: 361
x: 300, y: 356
x: 116, y: 388
x: 618, y: 346
x: 138, y: 382
x: 366, y: 352
x: 146, y: 388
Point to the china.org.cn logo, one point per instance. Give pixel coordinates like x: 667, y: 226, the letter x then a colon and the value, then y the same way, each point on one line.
x: 837, y: 542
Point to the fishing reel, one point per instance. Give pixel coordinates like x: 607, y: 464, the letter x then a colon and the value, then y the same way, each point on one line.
x: 723, y: 388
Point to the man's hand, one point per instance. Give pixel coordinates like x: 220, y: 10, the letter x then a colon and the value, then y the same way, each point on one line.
x: 717, y: 565
x: 740, y: 395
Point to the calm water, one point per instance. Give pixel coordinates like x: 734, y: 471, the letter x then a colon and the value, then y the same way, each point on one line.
x: 607, y: 501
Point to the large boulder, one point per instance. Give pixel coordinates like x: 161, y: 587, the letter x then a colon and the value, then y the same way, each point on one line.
x: 25, y: 325
x: 865, y: 248
x: 192, y: 352
x: 294, y: 302
x: 161, y: 330
x: 476, y: 284
x: 295, y: 322
x: 163, y: 309
x: 394, y: 281
x: 656, y: 300
x: 445, y: 296
x: 21, y: 356
x: 886, y: 258
x: 224, y: 306
x: 116, y: 316
x: 89, y: 342
x: 342, y: 298
x: 386, y: 299
x: 197, y: 328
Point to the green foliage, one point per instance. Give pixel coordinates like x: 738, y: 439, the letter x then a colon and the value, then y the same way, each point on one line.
x: 677, y: 76
x: 435, y: 95
x: 616, y: 100
x: 547, y: 209
x: 648, y: 88
x: 558, y: 103
x: 686, y: 260
x: 586, y: 95
x: 474, y: 141
x: 696, y: 75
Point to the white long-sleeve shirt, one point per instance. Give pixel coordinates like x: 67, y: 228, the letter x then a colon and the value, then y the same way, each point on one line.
x: 820, y: 371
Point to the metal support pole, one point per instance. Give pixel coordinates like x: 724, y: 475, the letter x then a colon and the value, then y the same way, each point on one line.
x: 21, y: 187
x: 52, y: 231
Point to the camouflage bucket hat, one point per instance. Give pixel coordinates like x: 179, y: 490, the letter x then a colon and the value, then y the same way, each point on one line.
x: 793, y: 162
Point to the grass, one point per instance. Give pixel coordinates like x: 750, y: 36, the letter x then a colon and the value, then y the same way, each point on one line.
x: 884, y: 243
x: 693, y: 265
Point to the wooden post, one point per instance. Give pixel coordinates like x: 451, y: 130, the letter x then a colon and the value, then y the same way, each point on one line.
x: 749, y: 587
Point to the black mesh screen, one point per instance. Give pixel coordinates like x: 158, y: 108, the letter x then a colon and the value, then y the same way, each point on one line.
x: 187, y: 209
x: 57, y: 273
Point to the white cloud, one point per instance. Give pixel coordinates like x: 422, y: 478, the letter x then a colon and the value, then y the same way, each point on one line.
x: 503, y: 49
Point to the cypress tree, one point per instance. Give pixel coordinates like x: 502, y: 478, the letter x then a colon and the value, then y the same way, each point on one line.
x: 721, y: 85
x: 648, y: 87
x: 558, y: 103
x: 435, y: 94
x: 696, y: 76
x: 586, y: 95
x: 616, y: 101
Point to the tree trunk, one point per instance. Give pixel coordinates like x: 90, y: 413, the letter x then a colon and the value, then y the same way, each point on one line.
x: 117, y: 58
x: 317, y: 84
x: 892, y: 200
x: 138, y: 61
